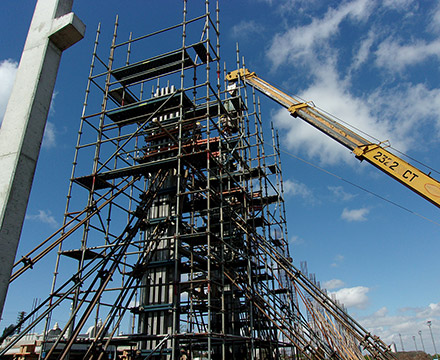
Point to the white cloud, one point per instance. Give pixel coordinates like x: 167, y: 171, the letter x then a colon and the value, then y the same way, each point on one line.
x: 246, y: 29
x: 355, y: 214
x: 331, y: 93
x: 52, y: 103
x: 425, y: 108
x: 308, y: 49
x: 398, y: 4
x: 395, y: 56
x: 44, y: 217
x: 49, y: 138
x: 296, y: 240
x: 50, y: 132
x: 299, y: 136
x: 333, y: 284
x: 287, y: 8
x: 406, y: 322
x: 337, y: 260
x: 434, y: 24
x: 339, y: 257
x: 352, y: 297
x: 432, y: 310
x: 383, y: 311
x: 295, y: 188
x: 364, y: 50
x: 298, y: 42
x: 291, y: 5
x: 340, y: 193
x: 8, y: 69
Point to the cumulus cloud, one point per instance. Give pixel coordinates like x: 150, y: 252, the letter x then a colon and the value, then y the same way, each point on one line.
x: 49, y: 138
x: 330, y: 92
x: 434, y: 24
x: 363, y: 53
x: 291, y: 5
x: 301, y: 137
x: 426, y: 109
x: 246, y: 29
x: 352, y: 297
x: 332, y: 83
x: 333, y: 284
x: 405, y: 322
x: 433, y: 310
x: 355, y: 214
x: 289, y: 8
x: 383, y: 311
x: 296, y: 240
x: 395, y: 56
x: 398, y: 4
x: 309, y: 49
x: 8, y: 69
x: 270, y: 2
x: 44, y: 217
x: 52, y: 103
x: 340, y: 194
x: 295, y: 188
x: 298, y: 42
x: 337, y: 260
x: 50, y: 131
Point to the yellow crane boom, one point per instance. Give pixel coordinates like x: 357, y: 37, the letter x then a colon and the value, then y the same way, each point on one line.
x: 376, y: 154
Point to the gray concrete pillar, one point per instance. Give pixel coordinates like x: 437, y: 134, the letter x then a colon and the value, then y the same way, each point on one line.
x: 53, y: 29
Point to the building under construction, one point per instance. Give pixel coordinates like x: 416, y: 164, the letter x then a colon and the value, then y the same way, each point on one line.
x: 174, y: 241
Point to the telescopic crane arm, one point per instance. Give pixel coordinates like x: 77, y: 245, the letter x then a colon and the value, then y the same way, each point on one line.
x: 375, y: 154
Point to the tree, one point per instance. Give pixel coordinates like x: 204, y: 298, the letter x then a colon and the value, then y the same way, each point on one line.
x: 20, y: 318
x: 9, y: 330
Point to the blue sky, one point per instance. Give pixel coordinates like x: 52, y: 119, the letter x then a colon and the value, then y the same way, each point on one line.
x: 373, y: 64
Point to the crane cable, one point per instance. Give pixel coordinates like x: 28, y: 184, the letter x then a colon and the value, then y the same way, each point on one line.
x: 355, y: 185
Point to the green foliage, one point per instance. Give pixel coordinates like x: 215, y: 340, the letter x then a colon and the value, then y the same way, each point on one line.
x: 9, y: 330
x: 20, y: 318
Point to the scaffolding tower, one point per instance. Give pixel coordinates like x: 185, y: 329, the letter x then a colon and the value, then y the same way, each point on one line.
x: 174, y: 240
x: 187, y: 184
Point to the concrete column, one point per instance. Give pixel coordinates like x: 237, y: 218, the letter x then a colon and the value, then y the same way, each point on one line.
x: 53, y: 29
